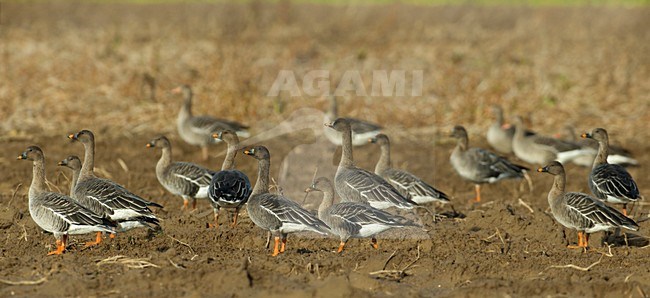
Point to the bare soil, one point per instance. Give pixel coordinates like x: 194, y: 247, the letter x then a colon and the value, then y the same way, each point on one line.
x: 68, y: 66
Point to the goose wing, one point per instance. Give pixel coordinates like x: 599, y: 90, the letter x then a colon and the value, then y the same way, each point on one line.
x: 494, y: 166
x: 375, y: 189
x: 192, y: 173
x: 406, y: 182
x: 291, y: 214
x: 596, y: 212
x: 64, y: 208
x: 615, y: 181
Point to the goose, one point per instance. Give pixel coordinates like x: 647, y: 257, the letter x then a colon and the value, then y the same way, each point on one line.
x: 617, y: 154
x: 406, y: 183
x: 361, y: 130
x: 480, y: 166
x: 354, y: 184
x: 579, y: 211
x: 499, y: 134
x: 197, y: 130
x: 57, y: 213
x: 73, y: 163
x: 229, y: 188
x: 276, y: 213
x: 185, y: 179
x: 610, y: 182
x: 537, y: 149
x: 353, y: 220
x: 108, y: 198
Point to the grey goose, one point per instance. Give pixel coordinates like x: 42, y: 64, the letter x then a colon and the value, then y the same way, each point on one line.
x: 73, y: 163
x: 57, y: 213
x: 616, y: 154
x: 361, y: 130
x: 107, y: 198
x: 276, y: 213
x: 538, y: 149
x: 353, y: 220
x: 500, y: 134
x: 579, y: 211
x: 406, y: 183
x: 610, y: 182
x: 479, y: 165
x: 187, y: 180
x: 229, y: 188
x: 354, y: 184
x: 198, y: 130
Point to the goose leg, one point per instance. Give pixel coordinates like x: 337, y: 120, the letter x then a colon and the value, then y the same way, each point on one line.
x: 193, y: 204
x: 98, y: 240
x: 580, y: 242
x: 60, y: 246
x: 111, y: 235
x: 625, y: 209
x: 268, y: 239
x: 185, y: 204
x: 373, y: 243
x: 284, y: 243
x: 234, y: 221
x: 341, y: 247
x: 216, y: 220
x: 477, y: 188
x: 585, y: 240
x: 276, y: 251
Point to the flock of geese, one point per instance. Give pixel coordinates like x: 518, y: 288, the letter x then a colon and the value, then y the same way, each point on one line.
x: 98, y: 205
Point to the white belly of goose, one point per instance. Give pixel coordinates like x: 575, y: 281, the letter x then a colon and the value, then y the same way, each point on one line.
x: 371, y: 229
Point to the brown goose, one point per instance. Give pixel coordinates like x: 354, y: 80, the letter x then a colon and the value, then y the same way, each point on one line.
x: 198, y: 130
x: 616, y: 154
x: 354, y: 184
x: 537, y: 149
x: 107, y: 198
x: 185, y: 179
x: 276, y: 213
x: 579, y: 211
x: 354, y: 220
x: 500, y: 134
x: 609, y: 182
x: 479, y: 165
x: 361, y: 130
x: 57, y: 213
x: 406, y: 183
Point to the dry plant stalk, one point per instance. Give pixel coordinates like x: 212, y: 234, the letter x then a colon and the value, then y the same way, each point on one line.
x: 394, y: 275
x: 183, y: 243
x: 137, y: 263
x: 24, y: 282
x: 571, y: 266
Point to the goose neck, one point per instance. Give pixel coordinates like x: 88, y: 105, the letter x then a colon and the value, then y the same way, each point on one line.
x: 88, y: 166
x: 262, y: 184
x: 384, y: 159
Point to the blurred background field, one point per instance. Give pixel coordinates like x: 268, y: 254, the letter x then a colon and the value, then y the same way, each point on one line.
x: 71, y: 65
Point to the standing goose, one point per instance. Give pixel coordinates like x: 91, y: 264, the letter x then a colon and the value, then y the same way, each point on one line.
x: 57, y: 213
x: 617, y: 154
x: 106, y: 197
x: 609, y: 182
x: 358, y: 185
x: 197, y: 130
x: 188, y: 180
x: 74, y: 163
x: 500, y: 135
x: 354, y: 220
x: 229, y: 188
x: 479, y: 165
x: 537, y: 149
x: 406, y: 183
x: 361, y: 130
x: 276, y: 213
x: 579, y: 211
